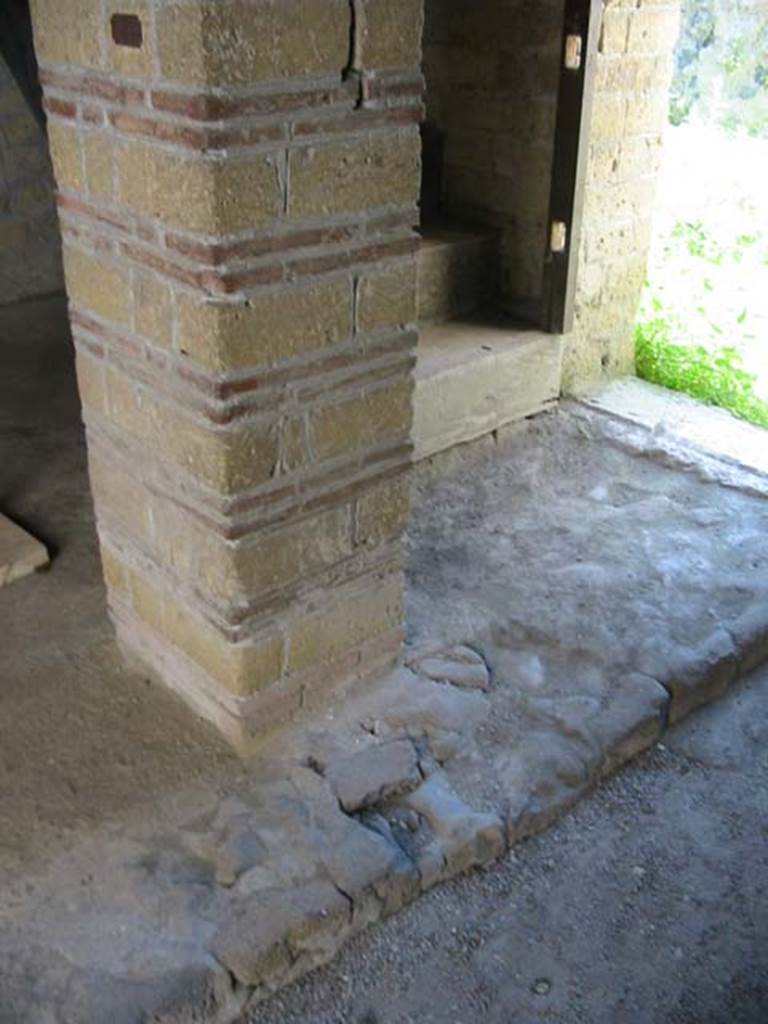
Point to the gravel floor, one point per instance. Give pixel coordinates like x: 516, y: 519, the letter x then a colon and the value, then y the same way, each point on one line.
x: 646, y: 905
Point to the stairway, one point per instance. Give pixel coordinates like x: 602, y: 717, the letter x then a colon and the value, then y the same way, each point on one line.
x: 456, y: 272
x: 476, y: 371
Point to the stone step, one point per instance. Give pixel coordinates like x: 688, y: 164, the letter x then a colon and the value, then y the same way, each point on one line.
x: 457, y: 272
x: 476, y: 375
x: 20, y: 554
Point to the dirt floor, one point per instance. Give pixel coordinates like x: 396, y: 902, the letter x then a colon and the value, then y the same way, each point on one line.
x: 648, y: 904
x: 569, y: 592
x: 82, y: 739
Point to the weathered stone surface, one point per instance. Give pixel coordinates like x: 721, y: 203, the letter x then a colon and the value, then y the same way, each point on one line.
x: 68, y: 32
x: 457, y: 273
x: 375, y: 773
x: 467, y: 838
x: 475, y: 376
x: 632, y: 720
x: 381, y: 417
x: 304, y: 874
x: 542, y: 778
x: 390, y: 33
x: 20, y: 554
x: 242, y: 42
x: 367, y: 865
x: 382, y: 512
x: 693, y: 675
x: 458, y: 665
x: 388, y: 298
x: 345, y: 623
x: 195, y: 193
x: 97, y: 285
x: 199, y: 992
x: 444, y: 716
x: 572, y: 740
x: 750, y: 637
x: 65, y: 153
x: 266, y: 329
x: 343, y: 177
x: 271, y: 929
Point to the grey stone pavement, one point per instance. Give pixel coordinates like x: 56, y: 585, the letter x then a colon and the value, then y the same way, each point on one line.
x: 567, y: 595
x: 647, y: 904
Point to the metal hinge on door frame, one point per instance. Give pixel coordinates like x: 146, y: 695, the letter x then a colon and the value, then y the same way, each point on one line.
x: 581, y: 26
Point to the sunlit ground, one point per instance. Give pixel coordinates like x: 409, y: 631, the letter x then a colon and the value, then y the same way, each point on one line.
x: 708, y: 270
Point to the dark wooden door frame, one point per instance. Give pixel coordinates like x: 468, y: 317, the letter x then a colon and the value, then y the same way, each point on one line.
x: 569, y: 164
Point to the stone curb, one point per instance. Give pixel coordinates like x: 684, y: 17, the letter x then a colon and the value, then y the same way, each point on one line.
x: 353, y: 821
x: 276, y: 939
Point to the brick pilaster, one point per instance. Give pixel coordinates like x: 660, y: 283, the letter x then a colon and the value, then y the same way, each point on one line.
x: 237, y: 198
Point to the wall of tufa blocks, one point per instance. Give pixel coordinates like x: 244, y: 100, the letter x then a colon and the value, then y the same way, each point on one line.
x: 631, y: 100
x: 237, y: 197
x: 492, y: 72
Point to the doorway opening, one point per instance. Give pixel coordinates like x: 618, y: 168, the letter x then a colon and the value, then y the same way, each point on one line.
x: 703, y: 323
x: 502, y: 148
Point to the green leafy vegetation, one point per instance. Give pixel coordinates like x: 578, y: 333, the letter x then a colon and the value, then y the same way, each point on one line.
x: 700, y: 323
x: 703, y: 323
x: 715, y: 375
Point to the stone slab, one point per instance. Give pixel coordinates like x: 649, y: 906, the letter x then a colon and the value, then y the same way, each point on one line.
x: 371, y: 775
x: 680, y: 422
x: 20, y: 553
x: 456, y: 272
x: 476, y: 376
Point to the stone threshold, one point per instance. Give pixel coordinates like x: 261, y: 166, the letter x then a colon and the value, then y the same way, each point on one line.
x: 491, y: 728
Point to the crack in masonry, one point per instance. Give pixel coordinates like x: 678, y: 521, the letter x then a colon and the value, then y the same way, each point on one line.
x: 355, y: 301
x: 239, y: 991
x: 347, y: 897
x: 664, y: 723
x: 387, y: 833
x: 286, y: 184
x: 353, y: 67
x: 473, y: 646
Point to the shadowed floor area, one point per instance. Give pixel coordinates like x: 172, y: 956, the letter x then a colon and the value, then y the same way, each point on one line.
x: 82, y: 739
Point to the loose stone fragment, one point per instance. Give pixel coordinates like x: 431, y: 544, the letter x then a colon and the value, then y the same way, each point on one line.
x: 468, y: 838
x: 458, y: 665
x: 693, y: 676
x: 269, y: 930
x: 375, y: 773
x: 20, y: 554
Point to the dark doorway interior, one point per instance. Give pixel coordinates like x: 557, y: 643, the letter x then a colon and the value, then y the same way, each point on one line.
x: 503, y: 149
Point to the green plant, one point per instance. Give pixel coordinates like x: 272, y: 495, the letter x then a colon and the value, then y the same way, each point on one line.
x: 698, y: 242
x: 714, y: 375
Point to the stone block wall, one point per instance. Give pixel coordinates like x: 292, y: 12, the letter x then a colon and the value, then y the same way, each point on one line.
x: 492, y: 71
x: 630, y: 109
x: 237, y: 195
x: 30, y: 251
